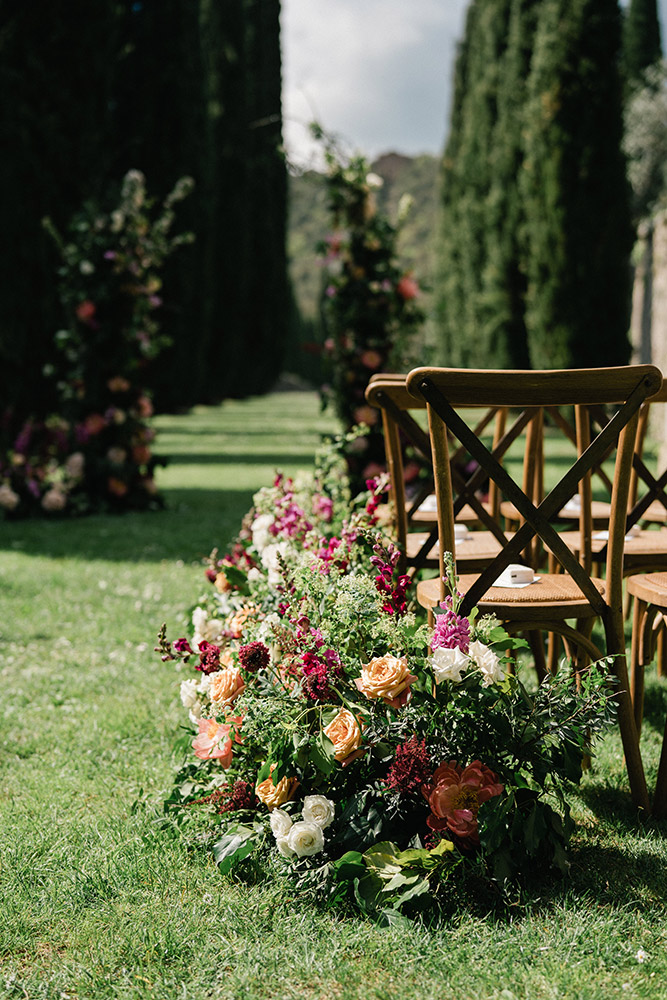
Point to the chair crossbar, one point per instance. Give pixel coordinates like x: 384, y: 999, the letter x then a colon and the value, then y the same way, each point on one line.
x: 536, y: 519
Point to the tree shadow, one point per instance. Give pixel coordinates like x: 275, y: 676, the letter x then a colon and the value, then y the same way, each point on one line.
x: 192, y: 523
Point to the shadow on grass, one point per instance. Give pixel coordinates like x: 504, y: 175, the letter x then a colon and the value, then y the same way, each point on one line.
x: 272, y: 458
x: 193, y: 522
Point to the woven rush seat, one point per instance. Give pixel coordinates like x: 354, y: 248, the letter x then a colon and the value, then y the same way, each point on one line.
x: 642, y: 546
x: 552, y: 587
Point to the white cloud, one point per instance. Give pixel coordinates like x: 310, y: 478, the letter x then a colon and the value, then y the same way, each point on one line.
x: 378, y: 72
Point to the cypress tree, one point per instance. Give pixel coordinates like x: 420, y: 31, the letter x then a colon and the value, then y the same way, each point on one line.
x: 502, y: 321
x: 467, y: 180
x: 641, y: 39
x: 55, y: 100
x: 578, y: 230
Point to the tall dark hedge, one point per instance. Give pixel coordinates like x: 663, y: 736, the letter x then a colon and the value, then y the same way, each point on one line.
x: 536, y: 224
x: 577, y: 206
x: 171, y: 87
x: 642, y: 46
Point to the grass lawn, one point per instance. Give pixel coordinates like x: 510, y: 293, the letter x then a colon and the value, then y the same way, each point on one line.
x: 97, y: 900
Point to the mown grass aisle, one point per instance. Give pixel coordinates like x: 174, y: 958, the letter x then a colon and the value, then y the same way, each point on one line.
x: 97, y: 900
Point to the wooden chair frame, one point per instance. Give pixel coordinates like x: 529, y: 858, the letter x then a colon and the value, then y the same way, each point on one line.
x: 445, y: 389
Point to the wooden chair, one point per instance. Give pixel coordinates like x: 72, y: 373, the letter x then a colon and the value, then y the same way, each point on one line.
x: 573, y: 594
x: 420, y: 548
x: 650, y: 608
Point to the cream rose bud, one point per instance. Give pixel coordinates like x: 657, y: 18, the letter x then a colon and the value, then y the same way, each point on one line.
x: 305, y: 839
x: 281, y: 823
x: 448, y: 664
x: 488, y: 663
x: 261, y: 535
x: 319, y: 810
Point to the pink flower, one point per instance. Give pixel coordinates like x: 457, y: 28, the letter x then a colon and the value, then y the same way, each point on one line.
x: 213, y: 742
x: 407, y: 287
x: 455, y: 795
x: 451, y: 630
x: 371, y: 359
x: 85, y: 311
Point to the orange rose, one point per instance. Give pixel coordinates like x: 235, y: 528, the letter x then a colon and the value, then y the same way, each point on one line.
x: 236, y: 622
x: 276, y: 795
x: 345, y: 733
x: 386, y: 677
x: 226, y: 685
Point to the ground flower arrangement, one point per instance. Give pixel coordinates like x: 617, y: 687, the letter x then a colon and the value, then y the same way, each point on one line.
x: 334, y: 735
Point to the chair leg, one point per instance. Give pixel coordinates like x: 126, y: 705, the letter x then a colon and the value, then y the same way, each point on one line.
x: 660, y: 797
x: 637, y: 663
x: 626, y: 716
x: 536, y: 642
x: 662, y: 651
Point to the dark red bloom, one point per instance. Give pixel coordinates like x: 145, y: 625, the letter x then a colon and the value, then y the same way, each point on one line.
x: 253, y: 657
x: 182, y: 646
x: 411, y: 767
x: 209, y: 657
x: 317, y: 674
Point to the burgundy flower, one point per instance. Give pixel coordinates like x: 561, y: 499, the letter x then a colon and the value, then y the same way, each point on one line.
x: 183, y: 646
x: 318, y: 672
x: 209, y: 657
x: 253, y: 657
x: 411, y: 767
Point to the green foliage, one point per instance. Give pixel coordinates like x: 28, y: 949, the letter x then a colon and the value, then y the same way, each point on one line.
x: 642, y: 47
x: 369, y: 302
x: 536, y: 227
x: 578, y: 233
x: 645, y: 142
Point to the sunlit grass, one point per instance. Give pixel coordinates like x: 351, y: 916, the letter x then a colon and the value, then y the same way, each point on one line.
x: 98, y: 900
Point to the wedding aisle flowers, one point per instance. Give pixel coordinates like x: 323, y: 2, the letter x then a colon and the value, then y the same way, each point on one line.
x: 373, y: 756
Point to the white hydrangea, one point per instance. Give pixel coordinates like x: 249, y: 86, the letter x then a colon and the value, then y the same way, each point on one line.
x: 270, y: 561
x: 261, y: 535
x: 205, y: 628
x: 189, y: 692
x: 448, y: 664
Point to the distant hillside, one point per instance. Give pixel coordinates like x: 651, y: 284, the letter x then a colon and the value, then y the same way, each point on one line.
x: 309, y: 222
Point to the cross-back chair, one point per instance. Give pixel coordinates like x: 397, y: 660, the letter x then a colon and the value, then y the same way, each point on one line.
x: 574, y: 594
x: 650, y: 609
x: 420, y: 548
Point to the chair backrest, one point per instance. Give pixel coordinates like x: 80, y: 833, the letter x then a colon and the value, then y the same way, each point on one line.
x: 446, y: 390
x: 655, y: 487
x: 389, y: 393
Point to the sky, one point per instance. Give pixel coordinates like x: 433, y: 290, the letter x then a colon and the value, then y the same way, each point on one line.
x: 377, y: 73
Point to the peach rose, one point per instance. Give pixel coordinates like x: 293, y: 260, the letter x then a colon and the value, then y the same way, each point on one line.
x: 386, y: 677
x: 274, y: 796
x: 213, y: 742
x: 345, y: 733
x: 225, y: 687
x: 235, y: 623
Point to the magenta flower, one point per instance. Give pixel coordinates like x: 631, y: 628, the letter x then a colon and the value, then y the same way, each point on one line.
x: 451, y: 630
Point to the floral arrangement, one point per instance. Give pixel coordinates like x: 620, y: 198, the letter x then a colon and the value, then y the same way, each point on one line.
x: 335, y: 736
x: 96, y: 453
x: 369, y: 301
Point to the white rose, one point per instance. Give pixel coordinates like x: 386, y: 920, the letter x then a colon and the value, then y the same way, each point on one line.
x: 488, y: 663
x: 204, y: 685
x: 281, y: 823
x: 261, y: 536
x: 283, y: 846
x: 188, y: 693
x: 448, y: 664
x: 305, y: 839
x: 318, y: 810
